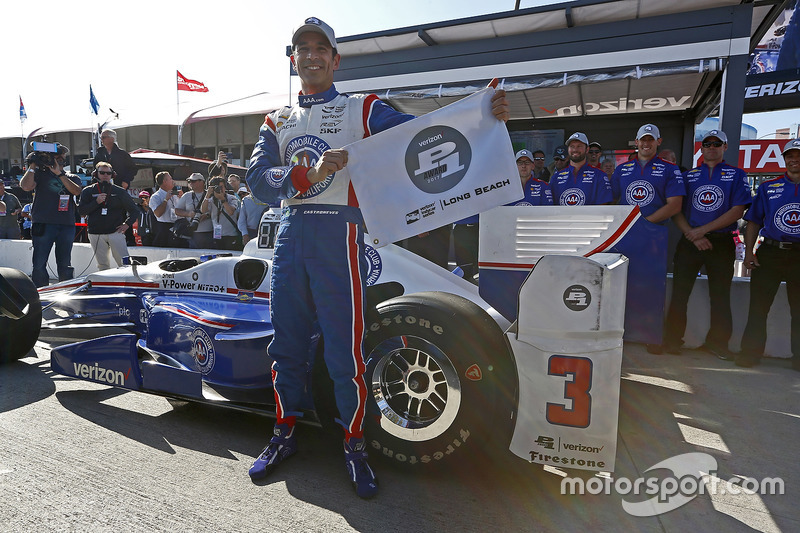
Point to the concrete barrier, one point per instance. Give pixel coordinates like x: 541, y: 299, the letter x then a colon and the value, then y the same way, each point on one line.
x: 18, y: 253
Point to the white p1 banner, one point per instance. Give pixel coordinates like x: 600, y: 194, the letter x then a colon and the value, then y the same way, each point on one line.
x: 434, y: 170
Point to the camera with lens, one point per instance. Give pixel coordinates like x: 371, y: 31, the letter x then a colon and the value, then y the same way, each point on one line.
x: 44, y: 155
x: 195, y: 222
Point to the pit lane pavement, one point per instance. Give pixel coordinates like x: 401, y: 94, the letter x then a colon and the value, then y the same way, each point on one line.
x: 85, y: 457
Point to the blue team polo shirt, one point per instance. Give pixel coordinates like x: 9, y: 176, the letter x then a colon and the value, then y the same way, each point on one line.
x: 537, y: 192
x: 584, y: 186
x: 709, y: 195
x: 647, y: 186
x: 776, y: 208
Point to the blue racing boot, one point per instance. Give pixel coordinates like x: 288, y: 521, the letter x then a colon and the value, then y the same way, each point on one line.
x: 361, y: 475
x: 281, y: 446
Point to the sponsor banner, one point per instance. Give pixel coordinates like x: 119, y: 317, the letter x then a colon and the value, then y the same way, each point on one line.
x: 755, y: 157
x: 441, y: 167
x: 771, y: 91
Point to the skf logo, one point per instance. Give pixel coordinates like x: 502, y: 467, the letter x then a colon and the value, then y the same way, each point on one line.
x: 577, y: 297
x: 437, y: 159
x: 474, y: 373
x: 787, y: 219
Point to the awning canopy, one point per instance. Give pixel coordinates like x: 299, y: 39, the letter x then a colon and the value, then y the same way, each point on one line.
x: 565, y: 59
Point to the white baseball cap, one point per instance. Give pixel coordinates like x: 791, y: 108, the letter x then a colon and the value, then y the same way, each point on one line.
x: 316, y: 25
x: 578, y: 136
x: 524, y: 153
x: 719, y: 134
x: 794, y: 144
x: 648, y: 129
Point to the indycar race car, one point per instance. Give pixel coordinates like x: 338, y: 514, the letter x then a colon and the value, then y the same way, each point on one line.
x: 450, y: 366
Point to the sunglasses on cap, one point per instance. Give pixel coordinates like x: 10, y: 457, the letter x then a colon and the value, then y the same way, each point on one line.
x: 715, y: 144
x: 538, y: 158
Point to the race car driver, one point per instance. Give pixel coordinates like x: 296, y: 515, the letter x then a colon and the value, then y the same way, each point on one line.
x: 774, y: 216
x: 318, y: 271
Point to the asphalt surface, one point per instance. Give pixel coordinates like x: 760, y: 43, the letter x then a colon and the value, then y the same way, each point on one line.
x: 75, y: 456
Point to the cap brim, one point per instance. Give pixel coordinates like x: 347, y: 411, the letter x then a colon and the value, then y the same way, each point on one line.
x: 310, y: 28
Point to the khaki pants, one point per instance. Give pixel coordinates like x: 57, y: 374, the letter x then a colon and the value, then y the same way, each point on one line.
x: 102, y: 243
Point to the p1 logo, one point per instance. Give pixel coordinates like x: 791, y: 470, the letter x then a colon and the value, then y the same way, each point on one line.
x: 437, y: 159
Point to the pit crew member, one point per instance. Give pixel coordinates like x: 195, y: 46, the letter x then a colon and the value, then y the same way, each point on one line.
x: 775, y: 216
x: 717, y: 195
x: 580, y: 183
x: 537, y: 192
x: 318, y: 266
x: 653, y: 184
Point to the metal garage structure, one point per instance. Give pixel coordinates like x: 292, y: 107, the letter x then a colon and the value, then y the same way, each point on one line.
x: 591, y: 65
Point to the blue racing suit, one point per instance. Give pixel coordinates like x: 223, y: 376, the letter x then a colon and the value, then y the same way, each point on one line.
x: 537, y: 192
x: 648, y: 186
x: 318, y: 267
x: 776, y: 208
x: 584, y: 186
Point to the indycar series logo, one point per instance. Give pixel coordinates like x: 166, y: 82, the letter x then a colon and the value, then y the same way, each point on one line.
x: 640, y: 192
x: 306, y: 151
x: 787, y: 219
x: 437, y: 159
x: 203, y: 351
x: 707, y: 198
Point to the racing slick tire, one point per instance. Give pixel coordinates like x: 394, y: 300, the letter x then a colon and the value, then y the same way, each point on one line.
x: 440, y: 378
x: 20, y: 315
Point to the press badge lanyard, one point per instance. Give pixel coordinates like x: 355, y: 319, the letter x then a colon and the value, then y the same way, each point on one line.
x: 63, y: 199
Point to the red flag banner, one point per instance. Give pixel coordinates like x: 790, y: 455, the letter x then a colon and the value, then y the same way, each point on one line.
x: 185, y: 84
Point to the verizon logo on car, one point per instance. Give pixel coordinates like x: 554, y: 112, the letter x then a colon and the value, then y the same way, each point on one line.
x: 98, y: 373
x: 623, y: 105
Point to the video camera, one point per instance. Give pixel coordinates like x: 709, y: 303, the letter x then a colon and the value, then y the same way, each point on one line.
x: 44, y: 154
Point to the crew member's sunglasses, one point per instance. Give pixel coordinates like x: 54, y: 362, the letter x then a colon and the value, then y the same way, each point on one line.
x: 104, y: 172
x: 715, y: 144
x: 538, y: 158
x: 595, y: 151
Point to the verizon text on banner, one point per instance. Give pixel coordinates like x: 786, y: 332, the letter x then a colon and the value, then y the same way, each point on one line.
x: 434, y: 170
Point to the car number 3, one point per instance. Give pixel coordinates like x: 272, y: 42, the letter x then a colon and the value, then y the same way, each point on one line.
x: 578, y: 371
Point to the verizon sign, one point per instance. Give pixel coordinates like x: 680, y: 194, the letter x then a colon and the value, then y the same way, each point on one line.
x: 755, y: 157
x: 622, y: 105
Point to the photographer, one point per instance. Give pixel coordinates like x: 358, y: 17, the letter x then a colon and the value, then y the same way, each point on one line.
x: 163, y: 203
x: 218, y: 167
x: 199, y: 231
x: 53, y: 211
x: 106, y: 205
x: 223, y: 208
